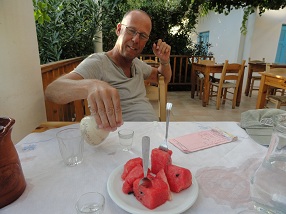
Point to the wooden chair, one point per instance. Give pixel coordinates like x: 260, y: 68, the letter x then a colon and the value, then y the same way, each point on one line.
x: 231, y: 72
x: 157, y: 90
x: 278, y: 100
x: 254, y: 77
x: 153, y: 62
x: 200, y: 76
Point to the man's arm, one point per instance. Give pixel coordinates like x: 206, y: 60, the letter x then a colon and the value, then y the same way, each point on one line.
x: 166, y: 71
x: 103, y: 100
x: 162, y: 51
x: 67, y: 88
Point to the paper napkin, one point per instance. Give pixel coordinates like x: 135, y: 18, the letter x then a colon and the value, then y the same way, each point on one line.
x: 202, y: 140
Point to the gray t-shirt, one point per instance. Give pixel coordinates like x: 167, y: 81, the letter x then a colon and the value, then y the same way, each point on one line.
x: 135, y: 106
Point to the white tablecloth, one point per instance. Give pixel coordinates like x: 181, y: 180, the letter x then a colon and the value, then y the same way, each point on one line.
x: 222, y: 171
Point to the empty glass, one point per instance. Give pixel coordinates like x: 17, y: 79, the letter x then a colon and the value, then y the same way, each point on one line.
x: 71, y: 145
x: 91, y: 203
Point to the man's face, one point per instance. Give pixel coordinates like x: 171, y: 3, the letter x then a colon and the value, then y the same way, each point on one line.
x: 133, y: 33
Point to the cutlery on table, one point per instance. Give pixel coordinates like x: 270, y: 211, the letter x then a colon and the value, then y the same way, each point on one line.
x: 145, y: 156
x: 164, y: 145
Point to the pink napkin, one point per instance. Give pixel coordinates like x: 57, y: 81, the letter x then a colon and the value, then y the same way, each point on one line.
x: 202, y: 140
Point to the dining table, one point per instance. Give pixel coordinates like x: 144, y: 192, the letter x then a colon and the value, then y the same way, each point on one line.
x: 257, y: 67
x: 207, y: 70
x: 275, y: 79
x: 221, y: 174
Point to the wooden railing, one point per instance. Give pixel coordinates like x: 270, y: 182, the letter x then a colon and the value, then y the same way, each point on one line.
x: 52, y: 71
x: 181, y: 68
x: 181, y: 76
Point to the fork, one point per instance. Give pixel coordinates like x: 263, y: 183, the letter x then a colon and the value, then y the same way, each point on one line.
x: 164, y: 145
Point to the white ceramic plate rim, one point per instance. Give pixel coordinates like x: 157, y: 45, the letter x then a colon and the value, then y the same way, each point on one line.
x: 180, y: 201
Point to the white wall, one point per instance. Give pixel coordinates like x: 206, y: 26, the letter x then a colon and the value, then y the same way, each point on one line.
x: 224, y: 34
x: 261, y: 40
x: 266, y: 35
x: 21, y: 92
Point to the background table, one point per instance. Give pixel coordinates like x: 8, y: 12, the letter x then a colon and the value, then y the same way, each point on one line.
x: 257, y: 67
x: 54, y: 188
x: 274, y: 79
x: 207, y: 70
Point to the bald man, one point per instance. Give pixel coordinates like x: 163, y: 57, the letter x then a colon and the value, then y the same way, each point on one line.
x: 113, y: 81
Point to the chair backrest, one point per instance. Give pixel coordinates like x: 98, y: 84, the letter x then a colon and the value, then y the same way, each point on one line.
x: 206, y: 61
x: 232, y: 71
x: 157, y: 90
x: 255, y: 60
x: 276, y: 71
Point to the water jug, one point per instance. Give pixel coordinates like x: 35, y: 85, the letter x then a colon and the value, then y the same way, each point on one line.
x: 268, y: 184
x: 12, y: 181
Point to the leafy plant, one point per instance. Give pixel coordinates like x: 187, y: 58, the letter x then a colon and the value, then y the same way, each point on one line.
x: 66, y: 28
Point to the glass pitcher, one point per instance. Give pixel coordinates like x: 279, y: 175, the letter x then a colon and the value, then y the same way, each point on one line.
x: 268, y: 185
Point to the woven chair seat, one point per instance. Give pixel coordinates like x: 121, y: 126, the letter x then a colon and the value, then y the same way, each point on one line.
x: 256, y: 77
x: 225, y: 84
x: 281, y: 99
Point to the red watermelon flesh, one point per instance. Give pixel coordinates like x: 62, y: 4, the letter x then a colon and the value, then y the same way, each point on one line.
x: 161, y: 175
x: 160, y: 160
x: 153, y: 196
x: 130, y: 165
x: 179, y: 178
x: 135, y: 173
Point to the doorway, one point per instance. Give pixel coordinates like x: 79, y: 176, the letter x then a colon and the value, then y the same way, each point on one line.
x: 281, y: 50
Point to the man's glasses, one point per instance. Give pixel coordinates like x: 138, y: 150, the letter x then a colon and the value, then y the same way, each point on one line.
x: 133, y: 32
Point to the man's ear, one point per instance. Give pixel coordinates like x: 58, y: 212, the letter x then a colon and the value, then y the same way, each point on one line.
x: 118, y: 29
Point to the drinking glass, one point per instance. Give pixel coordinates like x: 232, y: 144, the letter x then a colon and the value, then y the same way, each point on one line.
x: 71, y: 146
x: 126, y: 139
x: 91, y: 203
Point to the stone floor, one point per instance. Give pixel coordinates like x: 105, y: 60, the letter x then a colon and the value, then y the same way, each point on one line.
x: 187, y: 109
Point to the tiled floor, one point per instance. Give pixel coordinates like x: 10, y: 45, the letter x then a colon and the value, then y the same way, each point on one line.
x: 187, y: 109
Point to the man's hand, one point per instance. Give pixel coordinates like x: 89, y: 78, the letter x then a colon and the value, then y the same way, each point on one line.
x: 162, y: 51
x: 104, y: 104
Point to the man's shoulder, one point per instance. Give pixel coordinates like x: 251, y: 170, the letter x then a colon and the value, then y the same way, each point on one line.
x: 94, y: 56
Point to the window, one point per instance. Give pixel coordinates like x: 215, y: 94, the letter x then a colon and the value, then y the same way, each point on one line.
x: 203, y: 43
x: 203, y: 37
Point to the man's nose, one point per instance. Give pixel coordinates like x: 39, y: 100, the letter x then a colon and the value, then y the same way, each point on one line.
x: 136, y: 37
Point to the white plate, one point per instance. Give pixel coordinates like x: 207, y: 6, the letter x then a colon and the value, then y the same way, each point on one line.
x: 180, y: 201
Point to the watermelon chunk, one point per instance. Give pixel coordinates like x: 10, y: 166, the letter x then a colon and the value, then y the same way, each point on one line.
x: 135, y: 173
x: 161, y: 175
x: 160, y: 160
x: 153, y: 196
x: 179, y: 178
x: 130, y: 165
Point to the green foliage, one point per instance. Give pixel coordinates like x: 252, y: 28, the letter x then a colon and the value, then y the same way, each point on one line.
x: 65, y: 28
x: 166, y: 16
